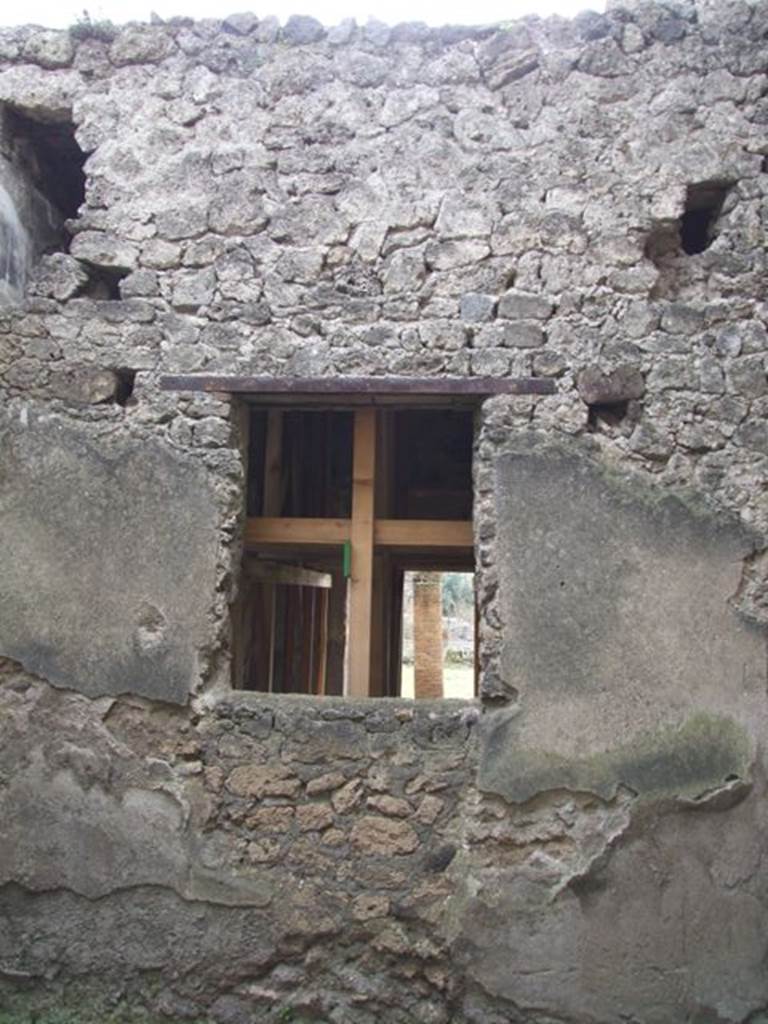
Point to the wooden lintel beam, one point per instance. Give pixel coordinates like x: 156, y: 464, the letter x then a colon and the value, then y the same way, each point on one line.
x: 350, y: 386
x: 291, y: 575
x: 268, y: 530
x: 424, y: 533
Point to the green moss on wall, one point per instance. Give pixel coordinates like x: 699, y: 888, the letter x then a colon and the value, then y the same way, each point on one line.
x: 684, y: 761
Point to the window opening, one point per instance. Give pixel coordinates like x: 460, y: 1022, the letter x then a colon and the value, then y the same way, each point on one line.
x: 343, y: 506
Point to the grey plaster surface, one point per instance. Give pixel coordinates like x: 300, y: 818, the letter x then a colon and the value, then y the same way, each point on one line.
x: 620, y: 638
x: 107, y: 547
x: 643, y: 934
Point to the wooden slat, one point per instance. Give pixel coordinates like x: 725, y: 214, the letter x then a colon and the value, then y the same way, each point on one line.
x: 304, y: 642
x: 292, y: 575
x: 361, y: 587
x: 271, y: 591
x: 379, y: 622
x: 286, y: 530
x: 337, y: 635
x: 384, y: 464
x: 372, y: 386
x: 406, y: 533
x: 424, y: 533
x: 322, y: 642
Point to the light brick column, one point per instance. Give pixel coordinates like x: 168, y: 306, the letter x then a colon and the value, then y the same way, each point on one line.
x: 428, y: 634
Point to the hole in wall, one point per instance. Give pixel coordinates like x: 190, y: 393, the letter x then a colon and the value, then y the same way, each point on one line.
x: 694, y: 231
x: 610, y: 414
x: 42, y: 185
x: 764, y: 165
x: 126, y: 380
x: 703, y: 204
x: 51, y: 156
x: 103, y: 282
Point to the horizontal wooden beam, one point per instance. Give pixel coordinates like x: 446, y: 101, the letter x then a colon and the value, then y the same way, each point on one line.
x: 286, y: 530
x: 372, y: 387
x: 398, y: 533
x: 291, y: 575
x: 423, y: 533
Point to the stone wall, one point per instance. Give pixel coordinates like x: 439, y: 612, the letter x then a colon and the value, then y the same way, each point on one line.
x: 585, y: 843
x: 271, y: 853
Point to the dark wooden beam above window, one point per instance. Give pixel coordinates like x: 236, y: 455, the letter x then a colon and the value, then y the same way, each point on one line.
x: 360, y: 388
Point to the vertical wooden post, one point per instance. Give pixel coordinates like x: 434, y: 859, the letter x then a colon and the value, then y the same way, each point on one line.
x: 321, y: 660
x: 337, y: 636
x: 379, y: 624
x: 273, y: 468
x: 270, y: 590
x: 272, y: 506
x: 395, y: 669
x: 361, y: 586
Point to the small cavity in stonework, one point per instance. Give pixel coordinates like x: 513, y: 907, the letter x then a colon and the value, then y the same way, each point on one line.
x: 125, y: 382
x: 52, y: 158
x: 703, y: 204
x: 103, y: 282
x: 609, y: 413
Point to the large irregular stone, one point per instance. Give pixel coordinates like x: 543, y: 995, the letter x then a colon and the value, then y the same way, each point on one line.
x: 383, y: 837
x: 104, y: 250
x: 620, y: 385
x: 300, y: 29
x: 258, y: 780
x: 86, y: 385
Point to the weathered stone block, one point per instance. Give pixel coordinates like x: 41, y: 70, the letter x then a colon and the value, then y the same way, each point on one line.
x: 384, y: 837
x: 392, y: 806
x: 104, y: 250
x: 476, y: 307
x: 262, y: 780
x: 348, y: 797
x: 140, y: 44
x: 522, y: 334
x: 429, y: 809
x: 194, y: 288
x: 85, y: 385
x: 314, y: 817
x: 516, y: 305
x: 369, y: 906
x: 271, y: 819
x: 316, y: 742
x: 301, y: 29
x: 325, y: 783
x: 620, y: 385
x: 49, y: 49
